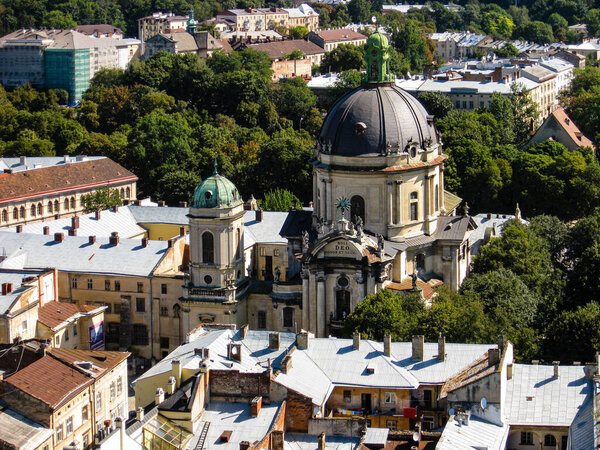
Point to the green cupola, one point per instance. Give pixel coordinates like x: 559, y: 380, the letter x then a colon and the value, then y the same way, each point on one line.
x: 216, y: 192
x: 192, y: 24
x: 377, y: 55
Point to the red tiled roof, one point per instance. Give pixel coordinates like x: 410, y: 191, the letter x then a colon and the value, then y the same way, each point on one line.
x: 341, y: 34
x: 406, y: 285
x: 52, y: 314
x: 103, y: 361
x: 62, y: 178
x: 569, y: 126
x: 279, y: 49
x: 49, y: 381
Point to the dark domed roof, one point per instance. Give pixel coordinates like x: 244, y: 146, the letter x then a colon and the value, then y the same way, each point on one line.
x: 373, y: 117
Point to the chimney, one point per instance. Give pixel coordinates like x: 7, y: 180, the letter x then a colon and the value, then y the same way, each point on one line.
x: 234, y: 351
x: 176, y: 371
x: 116, y: 208
x: 286, y: 364
x: 120, y: 425
x: 321, y: 444
x: 7, y: 288
x: 19, y: 228
x: 114, y: 238
x: 591, y: 370
x: 556, y: 365
x: 72, y: 231
x: 501, y: 343
x: 302, y: 340
x: 244, y: 445
x: 493, y: 356
x: 92, y: 240
x: 255, y: 406
x: 46, y: 230
x: 259, y: 215
x: 8, y: 171
x: 126, y: 202
x: 387, y: 345
x: 75, y: 222
x: 310, y: 204
x: 97, y: 215
x: 170, y: 243
x: 183, y: 204
x: 23, y: 160
x: 181, y: 231
x: 244, y: 331
x: 277, y: 440
x: 59, y: 237
x: 418, y: 345
x: 509, y: 371
x: 273, y: 341
x: 441, y: 348
x: 145, y: 242
x: 356, y: 340
x: 161, y: 203
x: 139, y: 414
x: 171, y: 385
x: 159, y: 397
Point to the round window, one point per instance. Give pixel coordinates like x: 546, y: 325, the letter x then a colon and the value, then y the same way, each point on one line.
x: 208, y: 195
x: 208, y: 279
x: 343, y: 282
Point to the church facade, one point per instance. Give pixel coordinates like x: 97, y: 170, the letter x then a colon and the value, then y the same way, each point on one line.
x: 379, y: 220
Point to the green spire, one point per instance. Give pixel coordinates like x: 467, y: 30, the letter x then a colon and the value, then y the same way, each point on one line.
x: 216, y: 165
x: 377, y: 55
x: 191, y: 23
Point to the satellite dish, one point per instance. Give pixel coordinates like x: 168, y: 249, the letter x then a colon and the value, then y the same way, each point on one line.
x: 483, y: 403
x: 451, y: 411
x: 416, y: 436
x: 374, y: 19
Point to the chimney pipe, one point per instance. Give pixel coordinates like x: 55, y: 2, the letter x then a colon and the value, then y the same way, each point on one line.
x: 170, y: 243
x: 46, y: 230
x: 176, y: 371
x: 273, y: 341
x: 139, y: 414
x: 259, y: 215
x: 72, y: 231
x: 7, y: 288
x: 97, y: 215
x: 92, y: 239
x: 441, y: 347
x: 321, y: 444
x: 116, y: 208
x: 161, y: 203
x: 493, y: 356
x: 183, y: 204
x: 244, y: 445
x: 255, y: 406
x: 19, y: 228
x: 145, y: 242
x: 356, y: 341
x: 75, y: 222
x: 243, y: 331
x: 114, y: 238
x: 181, y: 231
x: 159, y: 397
x: 59, y: 237
x: 418, y: 345
x: 302, y: 340
x: 387, y: 345
x: 171, y: 385
x: 556, y: 365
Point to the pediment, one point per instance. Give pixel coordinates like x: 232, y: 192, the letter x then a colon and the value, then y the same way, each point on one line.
x: 339, y: 247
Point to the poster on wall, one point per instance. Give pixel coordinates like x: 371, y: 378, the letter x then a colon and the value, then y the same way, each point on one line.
x: 97, y: 336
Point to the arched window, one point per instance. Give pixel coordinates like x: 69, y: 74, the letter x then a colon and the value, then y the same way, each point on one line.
x: 357, y: 208
x: 414, y: 206
x: 32, y: 210
x: 72, y: 202
x: 50, y: 207
x: 66, y: 203
x: 22, y: 212
x: 436, y: 198
x: 40, y: 209
x: 288, y: 317
x: 549, y: 441
x: 15, y: 213
x: 122, y: 193
x: 127, y: 193
x: 176, y: 311
x: 4, y: 216
x: 208, y: 247
x: 238, y: 244
x: 56, y: 206
x: 342, y: 304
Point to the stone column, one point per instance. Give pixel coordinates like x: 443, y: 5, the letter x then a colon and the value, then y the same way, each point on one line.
x: 390, y: 203
x: 321, y: 316
x: 305, y: 299
x: 399, y: 202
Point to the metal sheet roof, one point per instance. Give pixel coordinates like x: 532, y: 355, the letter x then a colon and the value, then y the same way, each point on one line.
x: 535, y: 397
x: 75, y: 254
x: 21, y: 432
x: 301, y: 441
x: 160, y: 214
x: 376, y: 436
x: 266, y: 231
x: 478, y: 433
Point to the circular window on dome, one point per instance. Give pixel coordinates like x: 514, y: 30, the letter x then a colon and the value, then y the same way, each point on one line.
x: 343, y: 281
x: 360, y: 128
x: 208, y: 195
x: 208, y: 279
x: 413, y: 152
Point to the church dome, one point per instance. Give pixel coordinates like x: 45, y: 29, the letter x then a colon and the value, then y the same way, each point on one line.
x: 216, y: 192
x: 376, y: 119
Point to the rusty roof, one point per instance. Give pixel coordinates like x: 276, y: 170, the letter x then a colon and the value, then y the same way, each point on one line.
x: 280, y: 49
x: 340, y: 34
x: 64, y: 178
x: 54, y: 314
x: 406, y: 285
x: 102, y: 361
x: 478, y: 369
x: 49, y: 380
x: 569, y: 126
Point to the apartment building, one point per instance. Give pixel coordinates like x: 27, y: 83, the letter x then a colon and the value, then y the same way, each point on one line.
x: 257, y: 19
x: 331, y: 39
x: 160, y: 22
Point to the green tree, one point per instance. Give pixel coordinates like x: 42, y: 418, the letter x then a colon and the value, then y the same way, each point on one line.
x: 410, y: 39
x: 592, y: 22
x: 299, y: 32
x: 506, y: 51
x: 280, y: 200
x: 103, y: 198
x: 436, y: 103
x: 342, y: 58
x: 176, y: 185
x: 294, y: 100
x: 360, y: 11
x: 535, y: 31
x: 499, y: 25
x: 58, y: 19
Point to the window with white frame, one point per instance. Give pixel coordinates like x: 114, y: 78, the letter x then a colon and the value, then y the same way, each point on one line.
x: 389, y: 397
x: 392, y: 425
x: 98, y: 401
x: 69, y: 425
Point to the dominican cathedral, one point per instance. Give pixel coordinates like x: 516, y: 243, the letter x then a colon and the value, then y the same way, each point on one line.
x: 380, y: 218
